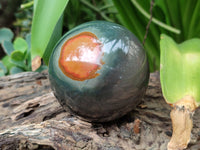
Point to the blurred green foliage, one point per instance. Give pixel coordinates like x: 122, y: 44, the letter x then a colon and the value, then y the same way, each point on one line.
x: 180, y: 14
x: 17, y: 57
x: 23, y: 20
x: 169, y: 17
x: 80, y: 11
x: 75, y: 13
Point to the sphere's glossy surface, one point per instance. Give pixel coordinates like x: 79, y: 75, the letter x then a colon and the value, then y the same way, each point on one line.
x: 99, y: 71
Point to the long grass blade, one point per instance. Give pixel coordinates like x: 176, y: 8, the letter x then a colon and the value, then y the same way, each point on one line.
x: 46, y: 16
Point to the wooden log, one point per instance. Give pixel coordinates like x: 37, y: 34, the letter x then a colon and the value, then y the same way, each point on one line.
x: 31, y: 118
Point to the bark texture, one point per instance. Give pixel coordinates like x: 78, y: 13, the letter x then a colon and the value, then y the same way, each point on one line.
x: 32, y: 119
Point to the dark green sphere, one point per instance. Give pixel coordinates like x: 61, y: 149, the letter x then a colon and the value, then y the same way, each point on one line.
x: 99, y: 71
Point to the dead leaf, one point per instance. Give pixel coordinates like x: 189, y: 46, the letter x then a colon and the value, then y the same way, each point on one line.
x: 136, y: 127
x: 36, y: 63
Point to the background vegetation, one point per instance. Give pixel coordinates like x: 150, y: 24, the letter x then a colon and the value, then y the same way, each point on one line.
x: 48, y: 20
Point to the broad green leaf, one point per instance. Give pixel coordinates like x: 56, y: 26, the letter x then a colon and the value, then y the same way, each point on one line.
x: 7, y: 47
x: 20, y: 44
x: 46, y: 16
x: 56, y: 35
x: 170, y: 69
x: 6, y: 35
x: 17, y: 55
x: 15, y: 70
x: 180, y: 69
x: 35, y: 4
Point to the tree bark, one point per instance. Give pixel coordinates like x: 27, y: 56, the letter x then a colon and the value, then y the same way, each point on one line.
x: 31, y: 118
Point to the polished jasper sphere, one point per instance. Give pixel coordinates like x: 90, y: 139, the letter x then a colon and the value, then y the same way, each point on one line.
x: 99, y: 71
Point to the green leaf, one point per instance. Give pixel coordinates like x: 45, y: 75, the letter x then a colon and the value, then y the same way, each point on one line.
x: 3, y: 69
x: 34, y: 6
x: 15, y: 70
x: 17, y: 55
x: 194, y: 24
x: 20, y: 64
x: 46, y: 16
x: 7, y: 62
x: 7, y: 47
x: 20, y: 45
x: 170, y: 69
x: 6, y: 35
x: 57, y: 33
x: 42, y: 68
x: 180, y: 69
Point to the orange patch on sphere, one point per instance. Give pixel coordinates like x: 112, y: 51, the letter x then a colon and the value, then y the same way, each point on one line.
x: 80, y: 57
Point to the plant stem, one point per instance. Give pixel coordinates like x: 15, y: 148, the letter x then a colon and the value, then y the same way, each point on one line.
x: 148, y: 25
x: 85, y: 2
x: 27, y: 5
x: 182, y: 126
x: 154, y: 20
x: 106, y: 6
x: 181, y: 116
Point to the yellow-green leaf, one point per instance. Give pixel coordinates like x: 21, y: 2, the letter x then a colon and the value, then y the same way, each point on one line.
x: 180, y: 69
